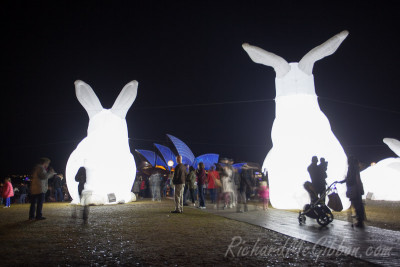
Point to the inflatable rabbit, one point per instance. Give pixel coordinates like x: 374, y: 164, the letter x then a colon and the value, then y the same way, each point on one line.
x: 300, y: 129
x: 104, y: 153
x: 383, y: 178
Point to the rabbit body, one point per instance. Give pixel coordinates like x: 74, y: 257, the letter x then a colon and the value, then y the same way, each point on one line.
x: 383, y: 178
x: 300, y: 130
x: 104, y: 153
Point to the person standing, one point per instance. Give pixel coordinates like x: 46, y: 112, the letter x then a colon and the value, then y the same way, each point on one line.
x: 355, y: 189
x: 179, y: 183
x: 39, y: 185
x: 8, y: 192
x: 212, y: 176
x: 246, y: 185
x: 154, y: 181
x: 191, y: 181
x: 23, y: 192
x: 57, y: 183
x: 317, y: 176
x: 201, y: 180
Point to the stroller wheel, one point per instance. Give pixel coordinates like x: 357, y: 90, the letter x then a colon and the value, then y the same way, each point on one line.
x: 302, y: 218
x: 330, y: 217
x: 324, y: 220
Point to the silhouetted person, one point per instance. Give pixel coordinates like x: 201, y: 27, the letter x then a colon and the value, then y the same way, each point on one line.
x: 80, y: 177
x: 355, y: 189
x: 317, y: 176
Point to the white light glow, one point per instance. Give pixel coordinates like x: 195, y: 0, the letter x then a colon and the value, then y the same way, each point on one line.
x: 300, y: 129
x: 383, y: 178
x: 105, y: 153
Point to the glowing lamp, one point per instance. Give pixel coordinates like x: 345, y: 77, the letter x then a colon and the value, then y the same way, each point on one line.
x: 300, y: 129
x: 104, y: 153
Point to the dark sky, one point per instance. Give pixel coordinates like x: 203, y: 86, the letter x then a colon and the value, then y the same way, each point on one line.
x: 195, y: 80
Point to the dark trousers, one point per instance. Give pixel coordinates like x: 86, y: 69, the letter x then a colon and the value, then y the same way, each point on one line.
x: 213, y: 195
x: 201, y: 195
x: 58, y: 194
x: 36, y: 203
x: 192, y: 194
x: 359, y: 207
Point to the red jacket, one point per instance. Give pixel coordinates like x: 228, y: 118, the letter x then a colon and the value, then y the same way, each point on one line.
x: 211, y: 182
x: 8, y: 190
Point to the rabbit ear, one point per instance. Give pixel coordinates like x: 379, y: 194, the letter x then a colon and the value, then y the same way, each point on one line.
x: 306, y: 64
x: 125, y: 99
x: 393, y: 144
x: 87, y: 98
x: 261, y: 56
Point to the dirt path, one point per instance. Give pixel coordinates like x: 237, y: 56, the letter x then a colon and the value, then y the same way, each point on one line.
x: 145, y: 233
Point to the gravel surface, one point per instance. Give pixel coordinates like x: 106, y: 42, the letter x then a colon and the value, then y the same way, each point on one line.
x: 145, y: 233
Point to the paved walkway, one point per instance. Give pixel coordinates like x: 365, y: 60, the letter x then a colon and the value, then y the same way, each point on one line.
x: 372, y: 244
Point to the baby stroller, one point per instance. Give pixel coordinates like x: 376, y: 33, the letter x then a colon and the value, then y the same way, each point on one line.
x: 317, y: 208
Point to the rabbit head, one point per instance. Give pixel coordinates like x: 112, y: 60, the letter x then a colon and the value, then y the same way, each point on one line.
x: 295, y: 78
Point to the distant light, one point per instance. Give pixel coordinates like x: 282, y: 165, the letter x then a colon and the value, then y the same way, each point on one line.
x: 170, y: 163
x: 373, y: 163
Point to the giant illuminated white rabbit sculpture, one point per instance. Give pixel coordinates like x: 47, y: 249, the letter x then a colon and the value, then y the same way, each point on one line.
x: 104, y: 153
x: 300, y: 129
x: 383, y: 178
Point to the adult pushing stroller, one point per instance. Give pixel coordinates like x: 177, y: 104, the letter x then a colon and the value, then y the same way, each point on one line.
x: 317, y: 208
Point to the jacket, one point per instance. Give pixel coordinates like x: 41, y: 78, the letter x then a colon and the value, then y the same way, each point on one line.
x: 179, y: 174
x: 40, y: 179
x: 201, y: 177
x: 7, y: 190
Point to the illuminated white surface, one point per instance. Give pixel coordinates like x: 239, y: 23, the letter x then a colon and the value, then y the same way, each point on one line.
x: 383, y: 179
x: 300, y: 129
x: 105, y: 153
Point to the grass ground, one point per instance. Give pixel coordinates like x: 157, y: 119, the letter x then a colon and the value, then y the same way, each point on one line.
x: 144, y: 233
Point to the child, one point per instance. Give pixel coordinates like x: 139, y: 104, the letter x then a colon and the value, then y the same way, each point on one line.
x: 263, y: 193
x: 8, y: 192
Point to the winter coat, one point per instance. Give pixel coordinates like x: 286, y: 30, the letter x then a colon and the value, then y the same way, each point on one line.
x: 179, y: 174
x: 7, y: 190
x: 40, y: 177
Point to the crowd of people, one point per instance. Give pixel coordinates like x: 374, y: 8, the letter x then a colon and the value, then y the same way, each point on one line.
x: 226, y: 186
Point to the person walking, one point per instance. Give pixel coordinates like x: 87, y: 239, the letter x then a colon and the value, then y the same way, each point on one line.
x: 179, y: 183
x: 246, y: 184
x: 201, y: 180
x: 39, y: 185
x: 355, y: 189
x: 7, y: 192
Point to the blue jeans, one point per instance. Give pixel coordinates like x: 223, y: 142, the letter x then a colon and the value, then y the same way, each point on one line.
x: 8, y: 202
x: 201, y: 195
x: 36, y: 199
x: 58, y: 194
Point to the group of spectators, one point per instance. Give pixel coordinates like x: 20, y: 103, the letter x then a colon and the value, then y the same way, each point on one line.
x: 225, y: 186
x: 38, y: 192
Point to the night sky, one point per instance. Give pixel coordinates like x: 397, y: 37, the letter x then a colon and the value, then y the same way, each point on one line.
x: 195, y: 80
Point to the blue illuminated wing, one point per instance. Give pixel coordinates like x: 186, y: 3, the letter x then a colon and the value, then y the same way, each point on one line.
x: 183, y: 150
x: 208, y: 160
